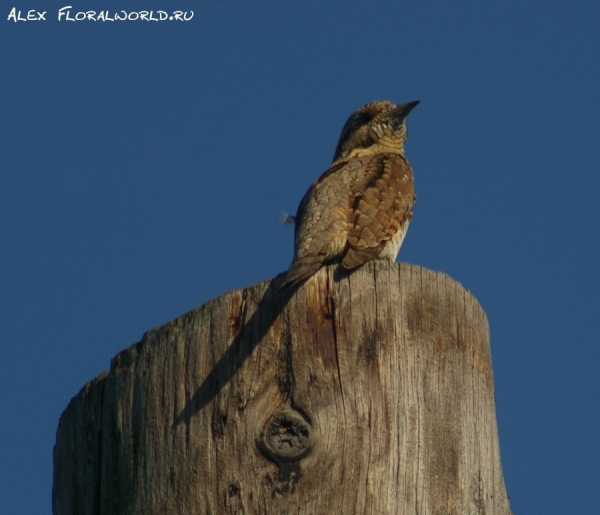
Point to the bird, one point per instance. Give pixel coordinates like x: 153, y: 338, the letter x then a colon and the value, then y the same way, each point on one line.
x: 360, y: 208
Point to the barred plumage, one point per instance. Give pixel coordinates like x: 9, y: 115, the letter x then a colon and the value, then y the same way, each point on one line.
x: 360, y: 208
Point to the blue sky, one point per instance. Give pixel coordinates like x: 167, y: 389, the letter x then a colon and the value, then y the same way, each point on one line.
x: 143, y: 166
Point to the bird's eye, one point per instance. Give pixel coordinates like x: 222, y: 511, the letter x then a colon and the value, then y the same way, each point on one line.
x: 360, y: 119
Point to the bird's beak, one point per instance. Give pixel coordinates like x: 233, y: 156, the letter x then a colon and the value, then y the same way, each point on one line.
x: 402, y: 111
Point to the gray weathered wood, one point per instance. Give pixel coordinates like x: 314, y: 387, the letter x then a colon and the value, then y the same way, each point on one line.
x: 366, y: 393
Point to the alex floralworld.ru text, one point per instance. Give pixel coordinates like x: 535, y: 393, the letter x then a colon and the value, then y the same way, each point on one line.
x: 65, y: 14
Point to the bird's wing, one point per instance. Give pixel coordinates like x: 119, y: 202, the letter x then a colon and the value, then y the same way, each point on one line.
x: 383, y: 194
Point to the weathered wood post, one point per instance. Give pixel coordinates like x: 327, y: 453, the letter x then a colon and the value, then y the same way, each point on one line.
x: 369, y: 393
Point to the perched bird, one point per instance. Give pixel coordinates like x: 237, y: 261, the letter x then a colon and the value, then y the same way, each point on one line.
x: 360, y: 208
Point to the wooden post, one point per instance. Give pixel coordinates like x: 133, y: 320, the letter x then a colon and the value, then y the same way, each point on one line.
x: 366, y: 393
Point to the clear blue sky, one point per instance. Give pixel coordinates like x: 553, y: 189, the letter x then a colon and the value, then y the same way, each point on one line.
x: 143, y: 166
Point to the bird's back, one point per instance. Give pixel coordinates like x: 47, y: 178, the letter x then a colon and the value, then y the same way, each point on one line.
x: 351, y: 214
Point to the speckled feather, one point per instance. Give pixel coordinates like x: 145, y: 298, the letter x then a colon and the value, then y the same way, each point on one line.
x: 357, y: 210
x: 352, y: 212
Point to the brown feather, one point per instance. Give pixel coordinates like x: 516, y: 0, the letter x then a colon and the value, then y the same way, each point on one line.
x: 360, y: 208
x: 383, y: 204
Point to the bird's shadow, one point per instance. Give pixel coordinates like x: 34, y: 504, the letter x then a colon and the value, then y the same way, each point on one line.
x: 250, y: 335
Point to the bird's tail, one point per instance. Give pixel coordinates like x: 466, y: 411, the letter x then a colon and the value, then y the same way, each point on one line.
x: 301, y: 270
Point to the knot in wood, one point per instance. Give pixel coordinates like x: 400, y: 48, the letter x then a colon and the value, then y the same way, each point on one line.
x: 287, y: 435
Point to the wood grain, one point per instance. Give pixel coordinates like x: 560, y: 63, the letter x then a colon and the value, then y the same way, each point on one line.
x: 365, y: 392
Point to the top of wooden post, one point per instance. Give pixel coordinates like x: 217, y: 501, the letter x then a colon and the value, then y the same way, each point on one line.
x: 369, y: 392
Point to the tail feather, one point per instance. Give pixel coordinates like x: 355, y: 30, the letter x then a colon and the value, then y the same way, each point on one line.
x: 300, y: 270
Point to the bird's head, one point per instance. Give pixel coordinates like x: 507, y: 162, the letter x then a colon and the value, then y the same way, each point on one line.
x: 374, y: 128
